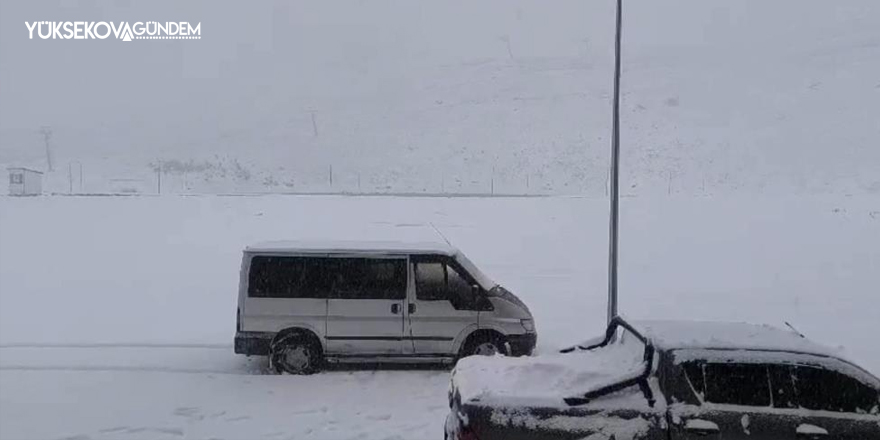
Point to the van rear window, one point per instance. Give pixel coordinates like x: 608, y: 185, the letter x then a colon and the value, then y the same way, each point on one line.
x: 323, y: 277
x: 286, y: 277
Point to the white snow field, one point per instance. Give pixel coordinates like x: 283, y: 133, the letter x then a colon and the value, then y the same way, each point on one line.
x: 117, y: 313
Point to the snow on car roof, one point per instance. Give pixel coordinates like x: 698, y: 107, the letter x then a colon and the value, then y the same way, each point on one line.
x: 340, y: 246
x: 727, y: 335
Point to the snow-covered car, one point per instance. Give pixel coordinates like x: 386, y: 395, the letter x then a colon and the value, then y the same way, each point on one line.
x: 304, y: 303
x: 669, y: 380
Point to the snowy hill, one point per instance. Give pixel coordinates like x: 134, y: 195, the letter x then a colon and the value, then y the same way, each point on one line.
x: 452, y: 96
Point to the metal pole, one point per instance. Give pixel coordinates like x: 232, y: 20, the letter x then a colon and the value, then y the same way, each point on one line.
x: 615, y: 169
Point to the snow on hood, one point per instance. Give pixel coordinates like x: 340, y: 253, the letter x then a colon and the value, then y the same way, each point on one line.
x: 547, y: 379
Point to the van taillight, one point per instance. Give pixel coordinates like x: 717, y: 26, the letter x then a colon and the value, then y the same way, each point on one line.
x: 238, y: 320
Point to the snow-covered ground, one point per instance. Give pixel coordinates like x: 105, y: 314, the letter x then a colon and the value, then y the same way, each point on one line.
x: 117, y: 313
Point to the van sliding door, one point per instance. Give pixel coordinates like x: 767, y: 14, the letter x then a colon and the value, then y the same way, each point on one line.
x: 365, y: 309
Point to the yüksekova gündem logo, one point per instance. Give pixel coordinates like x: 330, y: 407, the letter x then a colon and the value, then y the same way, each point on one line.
x: 101, y: 30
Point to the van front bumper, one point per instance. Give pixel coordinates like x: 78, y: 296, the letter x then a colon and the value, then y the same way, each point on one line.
x: 522, y: 345
x: 253, y: 343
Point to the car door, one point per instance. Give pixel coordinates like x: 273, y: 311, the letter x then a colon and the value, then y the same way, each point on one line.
x: 365, y: 309
x: 734, y: 402
x: 842, y: 407
x: 441, y: 306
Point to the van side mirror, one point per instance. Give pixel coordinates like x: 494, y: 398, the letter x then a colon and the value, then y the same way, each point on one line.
x: 475, y: 291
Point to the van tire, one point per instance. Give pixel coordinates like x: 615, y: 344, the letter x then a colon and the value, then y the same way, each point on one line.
x: 484, y: 344
x: 295, y: 353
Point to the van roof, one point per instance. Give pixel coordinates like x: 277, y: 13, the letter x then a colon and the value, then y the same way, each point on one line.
x: 337, y: 246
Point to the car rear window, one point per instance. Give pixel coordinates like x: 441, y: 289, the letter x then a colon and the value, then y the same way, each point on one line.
x: 730, y: 383
x: 737, y: 384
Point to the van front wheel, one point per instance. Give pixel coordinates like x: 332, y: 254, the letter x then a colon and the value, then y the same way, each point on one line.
x: 294, y: 354
x: 486, y: 345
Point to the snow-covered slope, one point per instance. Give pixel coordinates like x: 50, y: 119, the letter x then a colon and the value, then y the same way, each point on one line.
x: 451, y: 96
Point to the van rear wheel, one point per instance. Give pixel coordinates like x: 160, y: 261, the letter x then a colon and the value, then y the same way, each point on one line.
x: 295, y: 354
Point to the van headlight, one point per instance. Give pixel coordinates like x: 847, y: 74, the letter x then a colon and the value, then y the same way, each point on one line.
x: 528, y: 324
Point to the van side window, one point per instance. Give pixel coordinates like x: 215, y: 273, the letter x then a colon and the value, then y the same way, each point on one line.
x: 436, y: 280
x: 286, y: 277
x: 365, y: 278
x: 431, y: 281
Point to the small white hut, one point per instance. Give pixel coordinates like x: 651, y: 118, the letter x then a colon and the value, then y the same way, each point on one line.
x: 25, y: 182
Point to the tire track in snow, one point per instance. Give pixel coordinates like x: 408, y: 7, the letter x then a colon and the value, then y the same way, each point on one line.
x: 123, y: 368
x: 115, y: 345
x: 127, y: 357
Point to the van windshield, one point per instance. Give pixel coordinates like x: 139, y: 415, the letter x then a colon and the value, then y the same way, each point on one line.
x: 482, y: 279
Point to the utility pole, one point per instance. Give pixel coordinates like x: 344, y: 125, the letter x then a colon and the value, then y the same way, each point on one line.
x: 46, y: 131
x: 615, y: 172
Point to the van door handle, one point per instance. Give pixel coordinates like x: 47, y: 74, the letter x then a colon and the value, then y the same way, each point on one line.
x: 395, y: 308
x: 412, y: 308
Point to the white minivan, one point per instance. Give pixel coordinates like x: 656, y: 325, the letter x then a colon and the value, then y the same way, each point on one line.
x: 303, y: 304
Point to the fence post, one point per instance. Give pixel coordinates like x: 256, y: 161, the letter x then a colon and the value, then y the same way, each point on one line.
x: 492, y: 182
